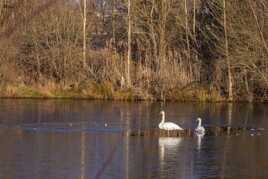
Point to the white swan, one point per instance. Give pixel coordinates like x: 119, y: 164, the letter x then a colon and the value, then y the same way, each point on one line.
x: 168, y: 125
x: 200, y: 129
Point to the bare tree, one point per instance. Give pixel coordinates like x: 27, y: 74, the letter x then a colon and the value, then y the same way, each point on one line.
x: 129, y: 43
x: 187, y: 30
x: 230, y: 83
x: 159, y: 47
x: 84, y: 33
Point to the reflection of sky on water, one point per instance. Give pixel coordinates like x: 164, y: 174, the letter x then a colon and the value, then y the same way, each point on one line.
x: 105, y: 153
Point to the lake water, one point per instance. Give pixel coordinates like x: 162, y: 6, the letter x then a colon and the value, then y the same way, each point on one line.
x: 80, y: 139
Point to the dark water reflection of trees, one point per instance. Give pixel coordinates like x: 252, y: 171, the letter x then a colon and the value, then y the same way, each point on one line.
x: 27, y: 152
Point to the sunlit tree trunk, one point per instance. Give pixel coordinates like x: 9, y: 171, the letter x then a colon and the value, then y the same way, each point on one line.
x: 195, y: 40
x: 187, y: 29
x: 187, y: 37
x: 230, y: 83
x: 84, y: 34
x: 194, y: 26
x: 113, y: 26
x: 162, y: 43
x: 129, y: 44
x: 162, y: 46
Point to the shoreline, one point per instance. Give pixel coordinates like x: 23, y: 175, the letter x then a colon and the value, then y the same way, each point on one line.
x: 196, y: 95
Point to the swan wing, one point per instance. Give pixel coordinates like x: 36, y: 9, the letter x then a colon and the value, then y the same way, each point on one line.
x: 160, y: 126
x: 200, y: 130
x: 171, y: 126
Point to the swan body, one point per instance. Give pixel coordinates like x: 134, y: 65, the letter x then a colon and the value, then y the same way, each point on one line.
x: 168, y: 125
x: 200, y: 129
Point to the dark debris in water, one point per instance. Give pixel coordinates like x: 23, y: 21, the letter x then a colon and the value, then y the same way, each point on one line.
x: 114, y: 128
x: 63, y: 127
x: 210, y: 131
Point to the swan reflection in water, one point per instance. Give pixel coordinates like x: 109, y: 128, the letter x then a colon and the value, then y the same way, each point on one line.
x: 177, y: 152
x: 199, y: 140
x: 168, y: 154
x: 168, y: 144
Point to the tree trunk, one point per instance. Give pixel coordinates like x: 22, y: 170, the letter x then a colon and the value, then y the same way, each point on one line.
x: 84, y: 34
x: 187, y: 30
x: 258, y: 26
x: 230, y: 83
x: 162, y: 44
x: 129, y: 44
x: 113, y: 26
x: 194, y: 29
x: 194, y: 18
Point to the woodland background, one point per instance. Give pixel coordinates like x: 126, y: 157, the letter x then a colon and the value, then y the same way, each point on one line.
x: 186, y: 50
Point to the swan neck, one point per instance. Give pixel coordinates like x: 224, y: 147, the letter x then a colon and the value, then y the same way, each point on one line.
x: 163, y: 118
x: 199, y: 123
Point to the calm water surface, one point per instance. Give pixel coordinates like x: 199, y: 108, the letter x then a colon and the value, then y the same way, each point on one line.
x: 66, y: 139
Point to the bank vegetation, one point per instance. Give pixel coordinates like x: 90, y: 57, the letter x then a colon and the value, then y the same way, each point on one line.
x: 185, y: 50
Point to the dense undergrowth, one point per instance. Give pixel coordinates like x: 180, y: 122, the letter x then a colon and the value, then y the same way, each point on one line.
x: 210, y: 51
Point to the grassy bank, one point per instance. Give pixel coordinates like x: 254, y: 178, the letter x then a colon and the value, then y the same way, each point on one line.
x: 107, y: 92
x: 95, y: 91
x: 161, y: 53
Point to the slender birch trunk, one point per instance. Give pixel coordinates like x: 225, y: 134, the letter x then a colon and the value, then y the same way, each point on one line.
x: 162, y: 43
x: 187, y: 29
x: 230, y: 83
x: 195, y: 40
x: 129, y: 44
x: 194, y: 26
x: 84, y: 34
x: 113, y: 26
